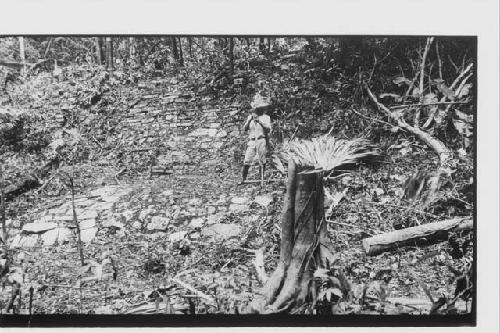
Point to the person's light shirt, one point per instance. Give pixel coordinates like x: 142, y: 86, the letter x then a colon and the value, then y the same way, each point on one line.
x: 256, y: 130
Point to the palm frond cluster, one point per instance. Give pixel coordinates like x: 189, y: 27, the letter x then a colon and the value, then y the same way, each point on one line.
x: 327, y: 152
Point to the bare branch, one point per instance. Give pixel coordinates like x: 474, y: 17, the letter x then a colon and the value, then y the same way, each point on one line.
x: 369, y: 118
x: 461, y: 76
x: 421, y: 85
x: 404, y: 106
x: 459, y: 89
x: 440, y: 63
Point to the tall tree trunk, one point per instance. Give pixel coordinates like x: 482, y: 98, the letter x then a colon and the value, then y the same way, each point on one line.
x: 22, y: 55
x: 222, y: 45
x: 98, y: 50
x: 190, y: 42
x: 109, y: 53
x: 174, y: 49
x: 231, y: 55
x: 181, y: 56
x: 303, y: 230
x: 138, y: 52
x: 262, y: 45
x: 132, y: 52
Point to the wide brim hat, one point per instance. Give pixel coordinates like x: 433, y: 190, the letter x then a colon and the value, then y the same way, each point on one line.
x: 259, y: 101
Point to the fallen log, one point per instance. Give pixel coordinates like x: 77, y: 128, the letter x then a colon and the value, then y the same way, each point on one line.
x: 424, y: 304
x: 19, y: 65
x: 424, y: 234
x: 29, y: 182
x: 11, y: 63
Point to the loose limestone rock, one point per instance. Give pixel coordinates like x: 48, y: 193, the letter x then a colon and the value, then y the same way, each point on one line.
x: 145, y: 213
x: 222, y: 231
x: 237, y: 208
x: 195, y: 202
x: 238, y: 204
x: 24, y: 241
x: 112, y: 223
x: 239, y: 200
x: 221, y: 134
x: 196, y: 222
x: 44, y: 219
x: 264, y: 200
x: 59, y: 235
x: 167, y: 193
x: 128, y: 215
x: 212, y: 219
x: 86, y: 224
x: 177, y: 236
x: 87, y: 235
x: 158, y: 223
x: 40, y: 227
x: 86, y: 215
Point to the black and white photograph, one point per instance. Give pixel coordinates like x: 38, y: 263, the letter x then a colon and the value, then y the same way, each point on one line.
x: 232, y: 179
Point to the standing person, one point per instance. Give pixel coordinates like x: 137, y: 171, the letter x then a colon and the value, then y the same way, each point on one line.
x: 258, y: 124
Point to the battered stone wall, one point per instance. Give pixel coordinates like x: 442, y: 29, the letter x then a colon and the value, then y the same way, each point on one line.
x: 181, y: 133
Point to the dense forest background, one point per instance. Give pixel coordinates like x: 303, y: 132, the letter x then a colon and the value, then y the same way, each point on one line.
x: 63, y: 100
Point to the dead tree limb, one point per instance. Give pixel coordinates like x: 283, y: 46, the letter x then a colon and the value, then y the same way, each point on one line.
x: 439, y: 147
x: 424, y: 234
x: 3, y: 209
x: 404, y: 106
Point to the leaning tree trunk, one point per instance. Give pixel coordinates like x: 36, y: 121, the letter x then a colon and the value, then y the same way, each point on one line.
x: 303, y: 229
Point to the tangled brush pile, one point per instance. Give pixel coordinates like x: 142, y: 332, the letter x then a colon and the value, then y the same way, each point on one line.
x: 326, y: 153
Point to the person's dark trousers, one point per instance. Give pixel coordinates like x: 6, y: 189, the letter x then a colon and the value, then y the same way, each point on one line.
x: 262, y: 170
x: 244, y: 173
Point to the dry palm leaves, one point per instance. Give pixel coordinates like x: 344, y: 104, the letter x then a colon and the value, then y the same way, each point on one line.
x: 326, y: 153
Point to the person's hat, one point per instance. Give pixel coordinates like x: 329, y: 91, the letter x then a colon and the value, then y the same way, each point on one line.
x: 259, y: 102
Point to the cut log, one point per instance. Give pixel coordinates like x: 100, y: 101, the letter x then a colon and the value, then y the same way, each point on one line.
x: 19, y: 65
x: 424, y: 304
x: 420, y: 235
x: 11, y: 63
